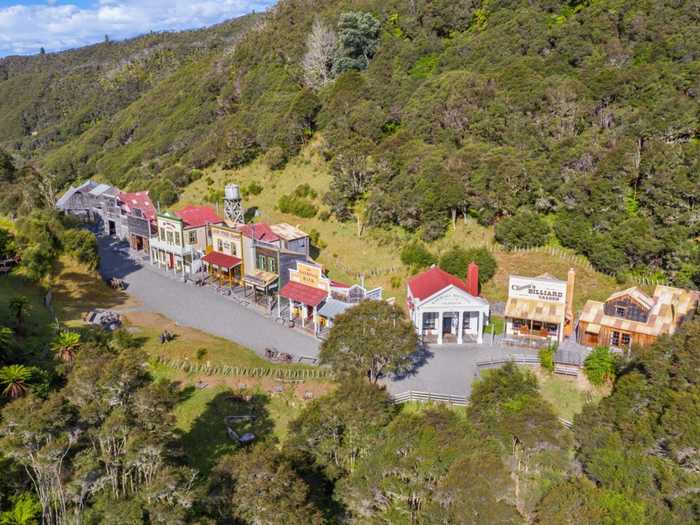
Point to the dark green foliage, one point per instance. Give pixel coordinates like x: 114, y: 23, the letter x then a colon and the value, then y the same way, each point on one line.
x: 456, y: 261
x: 546, y: 356
x: 523, y: 230
x: 416, y: 256
x: 7, y: 244
x: 370, y: 340
x: 574, y: 231
x: 254, y: 188
x: 358, y: 36
x: 7, y: 168
x: 82, y: 246
x: 486, y: 262
x: 298, y: 206
x: 600, y: 365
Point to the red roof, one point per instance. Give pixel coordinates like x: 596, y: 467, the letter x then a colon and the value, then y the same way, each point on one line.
x: 138, y: 201
x: 302, y: 293
x: 338, y: 284
x: 195, y: 216
x: 259, y: 231
x: 432, y: 281
x: 221, y: 260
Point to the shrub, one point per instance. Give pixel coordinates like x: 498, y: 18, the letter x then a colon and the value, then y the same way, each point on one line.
x: 324, y: 216
x: 275, y: 158
x: 546, y: 356
x: 315, y: 238
x: 599, y: 366
x: 486, y: 262
x: 523, y: 230
x: 455, y: 261
x: 255, y: 188
x: 304, y: 191
x: 81, y: 245
x: 297, y: 206
x: 396, y: 281
x: 416, y: 256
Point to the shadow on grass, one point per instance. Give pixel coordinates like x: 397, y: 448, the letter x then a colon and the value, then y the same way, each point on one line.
x: 208, y: 440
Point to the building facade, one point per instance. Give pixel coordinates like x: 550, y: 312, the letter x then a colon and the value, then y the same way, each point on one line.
x: 445, y: 309
x: 539, y: 308
x: 224, y: 259
x: 631, y: 317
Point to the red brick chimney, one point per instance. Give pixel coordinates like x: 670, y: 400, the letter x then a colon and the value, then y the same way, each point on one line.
x: 473, y: 279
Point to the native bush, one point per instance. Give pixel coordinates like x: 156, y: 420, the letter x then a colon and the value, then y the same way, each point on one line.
x: 275, y: 158
x: 81, y: 245
x: 525, y: 229
x: 254, y: 188
x: 298, y: 206
x: 416, y: 256
x: 546, y: 356
x: 600, y: 366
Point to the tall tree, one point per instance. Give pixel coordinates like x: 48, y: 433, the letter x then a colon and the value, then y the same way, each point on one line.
x: 371, y: 339
x: 321, y: 51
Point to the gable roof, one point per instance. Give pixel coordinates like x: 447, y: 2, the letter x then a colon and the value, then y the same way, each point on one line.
x: 196, y: 216
x: 288, y: 232
x: 433, y: 280
x: 259, y: 232
x: 138, y: 201
x: 635, y: 294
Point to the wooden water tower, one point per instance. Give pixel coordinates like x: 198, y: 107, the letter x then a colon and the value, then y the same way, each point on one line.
x: 233, y: 204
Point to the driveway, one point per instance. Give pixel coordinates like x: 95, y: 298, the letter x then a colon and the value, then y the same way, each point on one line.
x: 450, y: 369
x: 201, y: 308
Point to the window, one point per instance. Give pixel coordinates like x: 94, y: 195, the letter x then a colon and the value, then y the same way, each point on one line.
x: 552, y: 328
x: 233, y: 249
x: 161, y: 232
x: 615, y: 338
x: 466, y: 320
x: 429, y: 319
x: 169, y: 234
x: 620, y: 311
x: 219, y: 245
x: 536, y: 326
x: 177, y: 238
x: 272, y: 265
x: 626, y: 339
x: 193, y: 237
x: 260, y: 263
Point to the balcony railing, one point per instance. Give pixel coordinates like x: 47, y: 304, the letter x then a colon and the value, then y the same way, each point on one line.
x: 171, y: 248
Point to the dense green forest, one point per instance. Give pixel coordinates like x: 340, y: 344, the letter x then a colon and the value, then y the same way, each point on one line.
x: 581, y: 116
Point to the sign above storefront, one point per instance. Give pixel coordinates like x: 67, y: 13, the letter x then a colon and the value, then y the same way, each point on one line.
x: 310, y: 275
x: 537, y: 289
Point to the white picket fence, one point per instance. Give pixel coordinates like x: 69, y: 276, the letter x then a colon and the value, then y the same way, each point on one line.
x: 427, y: 397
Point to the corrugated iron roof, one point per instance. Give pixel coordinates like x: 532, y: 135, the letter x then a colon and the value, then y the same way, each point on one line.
x: 303, y: 293
x: 535, y: 310
x: 431, y: 281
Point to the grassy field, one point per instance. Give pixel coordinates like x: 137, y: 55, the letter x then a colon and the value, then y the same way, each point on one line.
x: 568, y: 395
x: 200, y: 413
x: 375, y: 254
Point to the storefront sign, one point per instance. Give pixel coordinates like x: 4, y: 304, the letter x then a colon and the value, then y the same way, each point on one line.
x: 537, y: 289
x: 310, y: 276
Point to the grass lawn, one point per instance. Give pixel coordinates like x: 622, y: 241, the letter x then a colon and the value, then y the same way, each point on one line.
x: 200, y: 414
x: 568, y: 395
x: 375, y: 254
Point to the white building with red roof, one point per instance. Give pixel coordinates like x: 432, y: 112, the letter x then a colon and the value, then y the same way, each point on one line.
x: 446, y: 309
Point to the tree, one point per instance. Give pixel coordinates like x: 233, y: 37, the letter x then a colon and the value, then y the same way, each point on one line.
x: 416, y: 256
x: 600, y: 365
x: 82, y: 246
x: 523, y: 230
x: 7, y: 168
x: 14, y: 379
x: 7, y: 244
x: 65, y: 345
x: 371, y: 339
x: 456, y: 261
x: 358, y: 34
x: 321, y: 51
x: 337, y: 431
x: 19, y: 305
x: 257, y: 486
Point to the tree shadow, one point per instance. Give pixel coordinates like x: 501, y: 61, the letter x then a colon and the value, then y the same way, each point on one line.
x: 321, y: 487
x: 419, y: 359
x: 208, y: 438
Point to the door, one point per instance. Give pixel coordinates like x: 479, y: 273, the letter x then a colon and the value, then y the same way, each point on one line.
x: 112, y: 228
x: 446, y: 324
x: 171, y: 260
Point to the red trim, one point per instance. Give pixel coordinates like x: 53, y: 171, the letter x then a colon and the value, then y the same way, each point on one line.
x: 221, y: 260
x: 304, y: 294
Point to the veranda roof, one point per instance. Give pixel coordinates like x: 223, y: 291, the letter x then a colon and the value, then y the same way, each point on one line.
x: 333, y: 308
x: 535, y: 310
x: 221, y: 260
x: 303, y: 293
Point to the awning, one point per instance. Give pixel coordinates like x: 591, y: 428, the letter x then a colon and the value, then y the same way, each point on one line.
x: 333, y: 308
x: 303, y: 293
x: 221, y: 260
x: 260, y: 279
x: 593, y: 328
x: 534, y: 310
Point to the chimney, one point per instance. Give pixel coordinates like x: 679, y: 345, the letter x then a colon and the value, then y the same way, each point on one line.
x: 569, y: 315
x: 473, y: 279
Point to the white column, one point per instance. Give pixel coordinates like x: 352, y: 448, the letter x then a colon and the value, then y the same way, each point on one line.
x: 314, y: 320
x: 480, y: 327
x: 419, y: 322
x: 291, y: 310
x: 302, y: 309
x: 460, y: 324
x: 439, y: 337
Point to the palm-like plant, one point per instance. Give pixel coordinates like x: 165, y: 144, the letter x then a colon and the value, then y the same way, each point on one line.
x: 65, y: 345
x: 14, y: 378
x: 19, y: 305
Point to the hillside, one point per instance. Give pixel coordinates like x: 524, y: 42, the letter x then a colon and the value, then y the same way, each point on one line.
x: 583, y: 112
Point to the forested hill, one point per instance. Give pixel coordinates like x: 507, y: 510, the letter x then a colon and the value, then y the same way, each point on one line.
x: 584, y: 113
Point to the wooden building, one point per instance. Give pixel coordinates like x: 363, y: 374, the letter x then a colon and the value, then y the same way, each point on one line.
x: 224, y: 258
x: 446, y: 309
x: 631, y: 317
x: 182, y: 238
x: 539, y: 309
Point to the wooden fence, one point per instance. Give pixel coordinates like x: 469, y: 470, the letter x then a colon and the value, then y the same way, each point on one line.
x: 273, y: 372
x: 426, y: 397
